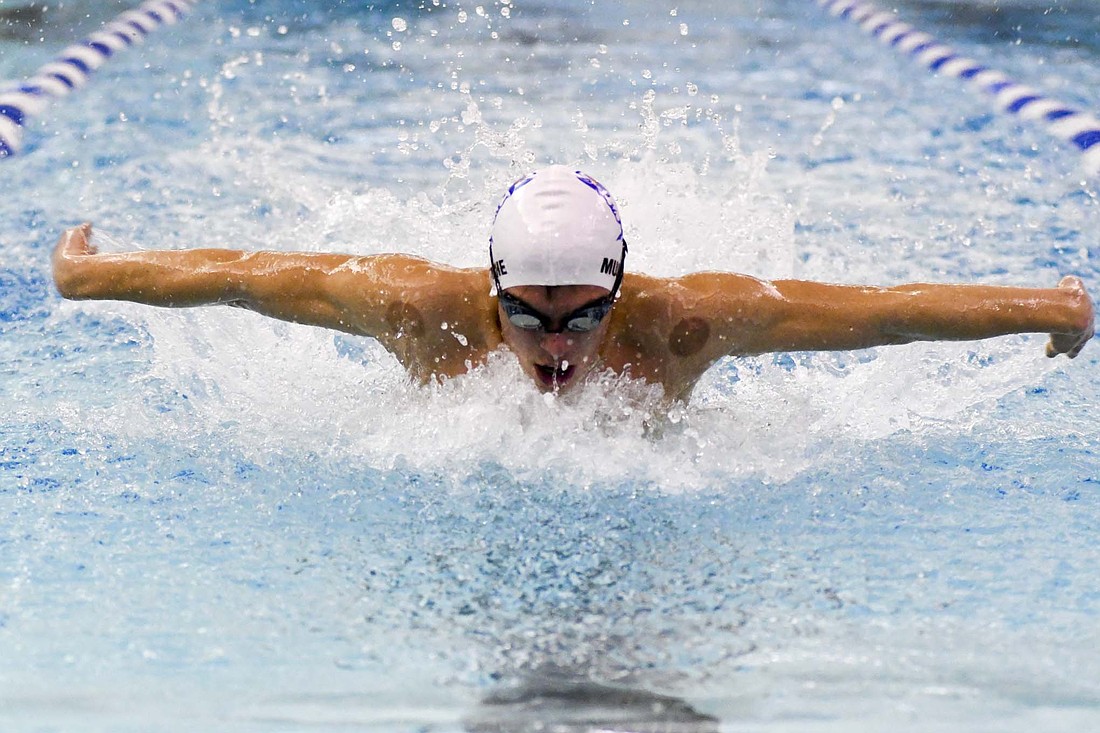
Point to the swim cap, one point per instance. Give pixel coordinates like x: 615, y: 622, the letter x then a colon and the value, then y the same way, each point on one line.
x: 557, y: 227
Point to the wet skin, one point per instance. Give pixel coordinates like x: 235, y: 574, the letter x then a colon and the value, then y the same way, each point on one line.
x: 441, y: 321
x: 555, y: 361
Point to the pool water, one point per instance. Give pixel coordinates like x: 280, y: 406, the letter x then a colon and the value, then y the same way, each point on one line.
x: 212, y: 521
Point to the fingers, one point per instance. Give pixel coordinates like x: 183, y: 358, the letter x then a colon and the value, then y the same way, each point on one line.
x: 82, y: 239
x: 1071, y: 282
x: 1081, y: 343
x: 1070, y: 345
x: 1063, y: 345
x: 66, y: 258
x: 76, y: 241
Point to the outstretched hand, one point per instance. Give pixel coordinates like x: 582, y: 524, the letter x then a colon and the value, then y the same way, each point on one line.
x: 1072, y: 342
x: 75, y: 241
x: 74, y: 244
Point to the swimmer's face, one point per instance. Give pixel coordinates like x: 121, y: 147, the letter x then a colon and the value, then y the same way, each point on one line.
x: 554, y: 356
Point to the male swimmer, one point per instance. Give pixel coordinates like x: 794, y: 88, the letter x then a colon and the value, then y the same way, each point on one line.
x: 558, y: 297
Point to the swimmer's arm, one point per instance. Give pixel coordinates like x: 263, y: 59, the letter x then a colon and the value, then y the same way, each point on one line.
x: 338, y: 291
x: 803, y: 316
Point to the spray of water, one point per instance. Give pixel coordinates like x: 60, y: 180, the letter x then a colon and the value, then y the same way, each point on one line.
x: 261, y: 388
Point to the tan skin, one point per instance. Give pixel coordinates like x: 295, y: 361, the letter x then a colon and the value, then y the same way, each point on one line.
x: 667, y: 331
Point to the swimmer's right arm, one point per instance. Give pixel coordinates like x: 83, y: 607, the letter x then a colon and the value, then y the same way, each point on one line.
x: 164, y: 278
x: 339, y: 291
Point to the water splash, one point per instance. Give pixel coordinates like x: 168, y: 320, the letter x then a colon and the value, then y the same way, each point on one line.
x: 260, y: 388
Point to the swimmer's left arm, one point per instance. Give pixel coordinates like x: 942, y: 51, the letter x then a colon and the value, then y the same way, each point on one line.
x: 801, y: 316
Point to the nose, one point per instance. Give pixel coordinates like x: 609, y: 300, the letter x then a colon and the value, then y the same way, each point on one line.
x: 557, y: 345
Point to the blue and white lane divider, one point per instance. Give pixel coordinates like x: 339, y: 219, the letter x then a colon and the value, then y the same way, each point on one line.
x: 73, y: 66
x: 1080, y: 129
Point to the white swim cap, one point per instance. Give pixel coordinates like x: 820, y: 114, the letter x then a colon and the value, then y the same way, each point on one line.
x: 557, y: 227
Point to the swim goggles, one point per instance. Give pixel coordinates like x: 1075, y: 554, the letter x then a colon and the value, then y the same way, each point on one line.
x: 581, y: 320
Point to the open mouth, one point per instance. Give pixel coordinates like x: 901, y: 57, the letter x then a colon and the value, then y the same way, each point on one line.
x: 555, y: 376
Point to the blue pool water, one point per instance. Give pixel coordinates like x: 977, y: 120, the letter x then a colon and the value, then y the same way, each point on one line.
x: 210, y: 521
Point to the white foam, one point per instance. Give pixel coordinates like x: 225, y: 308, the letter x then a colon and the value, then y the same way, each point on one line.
x: 259, y: 388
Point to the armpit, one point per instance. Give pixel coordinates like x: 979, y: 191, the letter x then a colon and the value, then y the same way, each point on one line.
x: 404, y: 320
x: 688, y: 337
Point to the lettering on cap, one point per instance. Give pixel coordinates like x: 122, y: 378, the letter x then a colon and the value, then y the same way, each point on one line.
x: 610, y: 267
x: 499, y: 268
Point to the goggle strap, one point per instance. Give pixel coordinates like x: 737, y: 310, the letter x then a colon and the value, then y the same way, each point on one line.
x: 622, y: 270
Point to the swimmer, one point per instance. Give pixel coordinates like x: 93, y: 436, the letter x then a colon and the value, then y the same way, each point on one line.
x: 558, y: 296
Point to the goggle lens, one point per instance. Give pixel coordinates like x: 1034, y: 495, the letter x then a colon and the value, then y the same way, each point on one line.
x: 526, y: 321
x: 581, y: 320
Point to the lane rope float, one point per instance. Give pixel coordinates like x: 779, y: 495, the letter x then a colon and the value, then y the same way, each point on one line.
x: 72, y: 68
x: 1079, y: 129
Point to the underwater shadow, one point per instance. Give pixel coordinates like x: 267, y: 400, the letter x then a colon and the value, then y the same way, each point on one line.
x: 564, y: 703
x: 21, y: 22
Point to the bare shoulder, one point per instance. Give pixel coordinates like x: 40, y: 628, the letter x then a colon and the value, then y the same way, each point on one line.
x: 685, y: 312
x: 435, y: 318
x: 398, y: 271
x: 670, y: 330
x: 393, y: 282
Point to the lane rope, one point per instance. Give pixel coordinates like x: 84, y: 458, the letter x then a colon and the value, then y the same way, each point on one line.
x: 1079, y: 129
x: 72, y: 68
